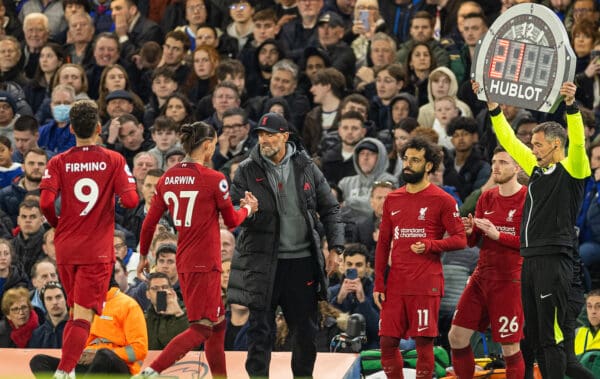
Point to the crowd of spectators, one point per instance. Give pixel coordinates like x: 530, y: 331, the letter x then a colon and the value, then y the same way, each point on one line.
x: 354, y: 78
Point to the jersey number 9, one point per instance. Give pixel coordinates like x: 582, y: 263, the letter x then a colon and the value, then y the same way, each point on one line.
x: 86, y: 191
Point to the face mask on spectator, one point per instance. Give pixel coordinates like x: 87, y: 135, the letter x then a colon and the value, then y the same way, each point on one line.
x: 61, y: 112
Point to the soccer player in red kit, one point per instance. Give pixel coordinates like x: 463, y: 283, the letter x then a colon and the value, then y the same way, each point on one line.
x: 493, y: 294
x: 414, y: 221
x: 86, y: 177
x: 195, y: 196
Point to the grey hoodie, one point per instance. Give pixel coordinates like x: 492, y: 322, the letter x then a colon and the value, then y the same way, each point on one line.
x: 357, y: 188
x: 293, y: 230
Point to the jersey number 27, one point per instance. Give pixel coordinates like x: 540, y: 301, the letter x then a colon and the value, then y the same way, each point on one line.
x: 171, y: 197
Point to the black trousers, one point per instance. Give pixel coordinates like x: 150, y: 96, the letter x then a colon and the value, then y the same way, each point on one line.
x: 105, y: 362
x: 295, y: 290
x: 545, y: 289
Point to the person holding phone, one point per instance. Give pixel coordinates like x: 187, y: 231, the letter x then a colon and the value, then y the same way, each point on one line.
x: 166, y: 317
x: 195, y: 197
x: 355, y: 293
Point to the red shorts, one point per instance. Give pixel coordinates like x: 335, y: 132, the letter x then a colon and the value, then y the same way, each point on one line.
x: 86, y: 285
x: 409, y: 316
x: 492, y: 302
x: 201, y: 293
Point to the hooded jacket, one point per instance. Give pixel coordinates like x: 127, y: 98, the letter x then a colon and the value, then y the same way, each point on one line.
x: 357, y: 188
x: 256, y: 85
x: 427, y: 112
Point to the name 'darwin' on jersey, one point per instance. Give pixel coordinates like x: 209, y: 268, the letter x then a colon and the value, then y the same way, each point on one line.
x: 180, y: 180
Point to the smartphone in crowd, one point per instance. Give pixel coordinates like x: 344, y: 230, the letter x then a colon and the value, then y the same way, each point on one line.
x: 161, y: 301
x: 351, y: 274
x: 364, y: 16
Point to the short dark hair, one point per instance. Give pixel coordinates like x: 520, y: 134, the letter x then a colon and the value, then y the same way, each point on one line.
x: 395, y: 70
x: 499, y: 149
x: 355, y: 98
x: 162, y: 123
x: 468, y: 124
x: 433, y: 153
x: 84, y: 3
x: 157, y: 275
x: 167, y: 248
x: 165, y: 72
x: 180, y: 36
x: 128, y: 117
x: 551, y: 130
x: 231, y: 67
x: 108, y: 35
x: 84, y: 118
x: 594, y: 292
x: 353, y: 249
x: 332, y: 77
x: 36, y: 150
x: 268, y: 14
x: 523, y: 121
x: 27, y: 123
x: 352, y: 115
x: 4, y: 140
x: 236, y: 112
x: 477, y: 15
x: 155, y: 172
x: 51, y: 286
x: 29, y: 203
x: 424, y: 15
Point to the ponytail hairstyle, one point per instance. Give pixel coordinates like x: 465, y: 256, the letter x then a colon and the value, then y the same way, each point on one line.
x: 194, y: 134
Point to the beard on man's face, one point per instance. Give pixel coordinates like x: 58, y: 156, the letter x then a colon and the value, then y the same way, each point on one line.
x: 412, y: 177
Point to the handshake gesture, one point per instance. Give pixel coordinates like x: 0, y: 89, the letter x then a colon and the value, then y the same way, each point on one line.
x: 250, y: 200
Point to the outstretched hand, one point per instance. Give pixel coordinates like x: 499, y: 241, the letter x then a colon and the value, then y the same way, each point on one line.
x: 476, y: 88
x: 568, y: 90
x: 251, y: 200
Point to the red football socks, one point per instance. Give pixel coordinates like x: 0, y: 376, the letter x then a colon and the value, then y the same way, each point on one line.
x: 463, y: 362
x: 391, y: 359
x: 214, y: 348
x: 515, y: 366
x: 425, y: 358
x: 75, y: 336
x: 185, y: 341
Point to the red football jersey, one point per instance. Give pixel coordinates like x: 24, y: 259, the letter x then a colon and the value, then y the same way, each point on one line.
x: 194, y: 195
x: 87, y: 179
x: 409, y: 218
x: 500, y: 259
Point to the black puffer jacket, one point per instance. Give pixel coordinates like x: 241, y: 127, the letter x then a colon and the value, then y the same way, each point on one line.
x: 255, y: 261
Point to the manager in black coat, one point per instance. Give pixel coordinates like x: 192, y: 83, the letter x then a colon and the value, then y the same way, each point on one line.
x: 279, y: 259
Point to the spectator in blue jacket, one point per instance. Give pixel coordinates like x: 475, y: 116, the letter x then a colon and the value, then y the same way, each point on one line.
x: 49, y: 334
x: 356, y: 295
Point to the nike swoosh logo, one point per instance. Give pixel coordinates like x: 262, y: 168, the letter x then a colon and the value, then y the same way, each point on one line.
x: 502, y: 335
x: 421, y: 329
x: 545, y: 296
x: 395, y: 213
x: 310, y: 283
x: 258, y: 180
x: 488, y: 212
